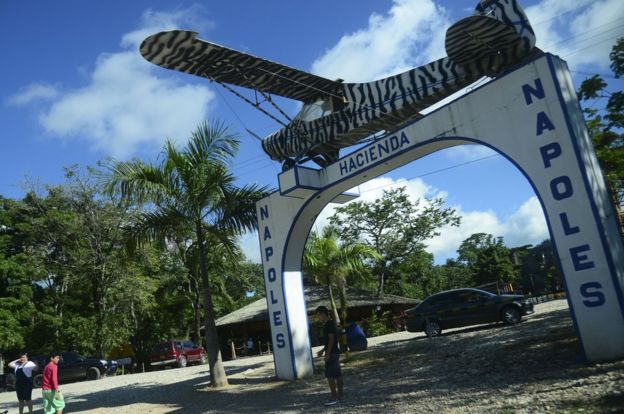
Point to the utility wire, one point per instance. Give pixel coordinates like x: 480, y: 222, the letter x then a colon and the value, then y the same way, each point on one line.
x: 435, y: 172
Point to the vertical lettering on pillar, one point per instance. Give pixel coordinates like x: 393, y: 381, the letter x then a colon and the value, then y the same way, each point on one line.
x: 544, y: 123
x: 530, y: 92
x: 264, y: 212
x: 273, y: 294
x: 561, y: 189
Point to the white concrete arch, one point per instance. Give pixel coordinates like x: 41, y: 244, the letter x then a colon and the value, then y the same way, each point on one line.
x: 531, y: 116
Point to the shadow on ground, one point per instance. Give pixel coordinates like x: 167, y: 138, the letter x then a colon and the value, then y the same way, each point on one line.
x: 479, y: 363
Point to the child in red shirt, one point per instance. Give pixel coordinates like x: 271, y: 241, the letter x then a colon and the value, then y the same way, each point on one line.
x: 53, y: 402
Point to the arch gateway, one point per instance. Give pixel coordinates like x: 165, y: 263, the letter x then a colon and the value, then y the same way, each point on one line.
x: 532, y: 117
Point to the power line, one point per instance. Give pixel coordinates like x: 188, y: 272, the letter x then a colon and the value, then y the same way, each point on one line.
x: 602, y: 75
x: 436, y: 171
x: 577, y: 51
x: 558, y: 16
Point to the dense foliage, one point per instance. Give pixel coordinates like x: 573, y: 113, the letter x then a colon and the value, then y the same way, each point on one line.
x: 604, y: 113
x: 69, y: 281
x: 392, y: 225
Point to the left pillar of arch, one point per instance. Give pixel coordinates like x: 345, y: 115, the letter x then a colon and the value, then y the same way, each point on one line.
x: 292, y: 354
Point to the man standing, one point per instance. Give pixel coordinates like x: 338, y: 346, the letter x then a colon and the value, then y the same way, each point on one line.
x: 53, y: 402
x: 332, y: 355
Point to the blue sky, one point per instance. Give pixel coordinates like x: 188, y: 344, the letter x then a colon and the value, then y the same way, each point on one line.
x: 75, y: 90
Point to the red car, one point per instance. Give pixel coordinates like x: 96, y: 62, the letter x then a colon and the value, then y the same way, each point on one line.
x: 178, y: 353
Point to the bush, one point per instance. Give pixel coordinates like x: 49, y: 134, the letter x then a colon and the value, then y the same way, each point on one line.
x: 379, y: 325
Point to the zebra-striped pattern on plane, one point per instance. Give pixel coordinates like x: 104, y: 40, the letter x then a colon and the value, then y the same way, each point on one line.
x: 497, y: 36
x: 180, y: 50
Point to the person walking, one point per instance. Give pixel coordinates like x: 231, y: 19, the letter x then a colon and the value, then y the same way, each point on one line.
x: 250, y: 346
x: 53, y: 402
x: 331, y: 351
x: 23, y: 369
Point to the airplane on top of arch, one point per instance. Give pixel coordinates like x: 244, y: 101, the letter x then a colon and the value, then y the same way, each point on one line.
x: 337, y: 114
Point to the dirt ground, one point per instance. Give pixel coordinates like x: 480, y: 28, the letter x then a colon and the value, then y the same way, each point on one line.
x: 533, y: 367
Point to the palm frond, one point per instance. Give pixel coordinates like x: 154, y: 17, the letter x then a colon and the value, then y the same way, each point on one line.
x: 214, y: 142
x: 155, y: 227
x: 237, y: 208
x: 139, y: 181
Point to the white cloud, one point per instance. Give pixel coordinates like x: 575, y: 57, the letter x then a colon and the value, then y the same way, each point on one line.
x: 526, y: 225
x: 465, y: 153
x: 445, y: 245
x: 410, y: 34
x: 33, y: 92
x: 130, y: 104
x: 581, y: 32
x: 155, y: 21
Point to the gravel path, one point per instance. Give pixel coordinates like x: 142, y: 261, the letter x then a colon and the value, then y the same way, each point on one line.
x: 533, y: 367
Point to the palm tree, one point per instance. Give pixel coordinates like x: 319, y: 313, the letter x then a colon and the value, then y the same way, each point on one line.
x: 191, y: 192
x: 330, y: 263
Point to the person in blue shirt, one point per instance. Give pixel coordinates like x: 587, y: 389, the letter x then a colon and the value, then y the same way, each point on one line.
x: 356, y: 338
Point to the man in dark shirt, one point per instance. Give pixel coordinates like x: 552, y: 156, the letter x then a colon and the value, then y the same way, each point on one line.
x: 332, y: 355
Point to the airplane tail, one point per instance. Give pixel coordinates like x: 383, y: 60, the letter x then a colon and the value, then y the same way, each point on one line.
x: 496, y: 36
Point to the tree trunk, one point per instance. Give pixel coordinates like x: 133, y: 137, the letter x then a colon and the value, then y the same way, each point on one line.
x: 195, y: 302
x: 382, y: 276
x: 332, y: 303
x: 342, y: 294
x: 218, y: 378
x: 99, y: 319
x: 196, y: 323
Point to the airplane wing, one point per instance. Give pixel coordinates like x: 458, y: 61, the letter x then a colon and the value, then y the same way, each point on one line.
x: 181, y: 50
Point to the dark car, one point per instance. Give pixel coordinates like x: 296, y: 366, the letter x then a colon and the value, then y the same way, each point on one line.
x: 464, y: 307
x: 177, y: 352
x: 7, y: 382
x: 75, y: 367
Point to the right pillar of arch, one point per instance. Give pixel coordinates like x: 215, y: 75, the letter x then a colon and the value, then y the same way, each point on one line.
x: 534, y: 119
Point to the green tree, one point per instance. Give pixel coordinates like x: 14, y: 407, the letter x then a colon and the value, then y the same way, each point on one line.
x: 413, y: 276
x: 393, y: 226
x: 99, y: 256
x: 487, y: 259
x: 331, y: 263
x: 15, y: 280
x: 192, y: 190
x: 239, y: 283
x: 605, y: 127
x: 538, y: 268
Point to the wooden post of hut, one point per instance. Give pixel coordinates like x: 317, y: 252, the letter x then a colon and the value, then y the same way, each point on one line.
x: 232, y: 349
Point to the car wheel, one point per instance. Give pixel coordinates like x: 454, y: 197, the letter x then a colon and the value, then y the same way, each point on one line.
x: 510, y: 315
x: 182, y: 362
x: 93, y: 373
x: 9, y: 382
x: 203, y: 359
x: 38, y: 380
x: 433, y: 328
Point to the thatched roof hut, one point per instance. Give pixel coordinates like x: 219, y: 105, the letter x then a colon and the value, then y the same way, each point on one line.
x: 253, y: 320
